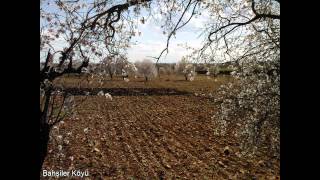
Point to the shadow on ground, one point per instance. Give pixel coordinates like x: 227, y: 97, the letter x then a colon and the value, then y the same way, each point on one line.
x: 127, y: 91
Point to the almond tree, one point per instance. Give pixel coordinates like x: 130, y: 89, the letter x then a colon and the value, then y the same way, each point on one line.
x: 146, y: 68
x: 85, y: 27
x: 130, y: 69
x: 186, y: 68
x: 246, y: 32
x: 88, y: 29
x: 109, y: 65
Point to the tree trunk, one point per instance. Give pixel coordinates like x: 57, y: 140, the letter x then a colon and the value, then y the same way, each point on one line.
x: 158, y: 71
x: 44, y: 140
x: 44, y: 130
x: 146, y: 78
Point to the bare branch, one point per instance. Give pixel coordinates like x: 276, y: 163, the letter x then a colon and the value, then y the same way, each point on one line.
x: 177, y: 27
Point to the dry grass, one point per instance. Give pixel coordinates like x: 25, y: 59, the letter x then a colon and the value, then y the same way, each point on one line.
x: 201, y: 83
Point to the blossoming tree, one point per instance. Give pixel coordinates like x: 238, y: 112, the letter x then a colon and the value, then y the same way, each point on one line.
x: 146, y: 68
x: 246, y: 32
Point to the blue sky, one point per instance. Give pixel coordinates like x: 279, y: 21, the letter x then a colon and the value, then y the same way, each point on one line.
x: 152, y: 41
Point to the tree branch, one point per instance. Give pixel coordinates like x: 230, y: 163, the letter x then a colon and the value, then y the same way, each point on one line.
x: 178, y: 27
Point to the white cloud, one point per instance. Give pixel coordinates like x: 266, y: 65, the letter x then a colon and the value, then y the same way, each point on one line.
x: 150, y: 49
x: 152, y: 41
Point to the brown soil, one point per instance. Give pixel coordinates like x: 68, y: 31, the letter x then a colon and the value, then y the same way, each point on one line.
x: 152, y: 137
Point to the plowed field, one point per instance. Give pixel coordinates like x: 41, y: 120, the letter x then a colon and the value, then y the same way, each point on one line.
x: 151, y: 134
x: 151, y: 137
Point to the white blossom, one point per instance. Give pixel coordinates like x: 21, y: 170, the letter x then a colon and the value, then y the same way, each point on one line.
x: 47, y: 83
x: 126, y: 79
x: 253, y: 100
x: 146, y: 68
x: 69, y: 133
x: 66, y: 141
x: 85, y: 70
x: 58, y: 69
x: 108, y: 96
x: 71, y: 158
x: 59, y: 137
x: 86, y: 130
x: 233, y: 73
x: 60, y: 147
x: 100, y: 93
